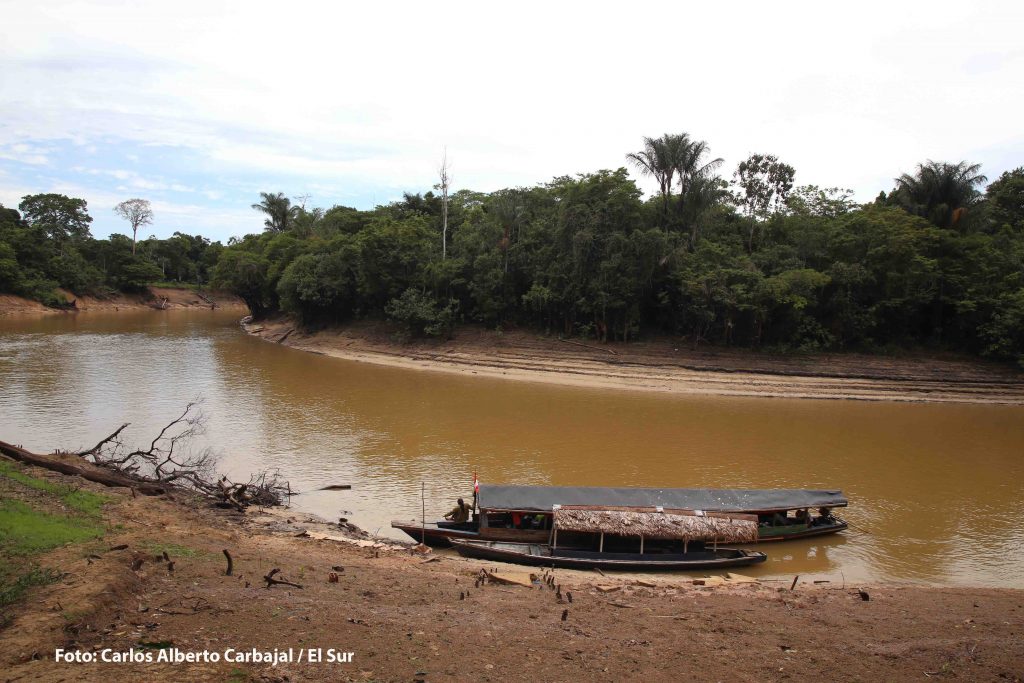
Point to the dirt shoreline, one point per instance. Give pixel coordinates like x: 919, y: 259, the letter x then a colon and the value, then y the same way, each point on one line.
x: 664, y: 366
x: 412, y: 616
x: 154, y: 297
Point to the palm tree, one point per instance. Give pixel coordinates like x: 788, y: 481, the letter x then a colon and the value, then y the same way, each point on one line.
x: 688, y: 160
x: 940, y: 192
x: 699, y: 187
x: 679, y: 156
x: 656, y: 159
x: 703, y: 192
x: 279, y: 210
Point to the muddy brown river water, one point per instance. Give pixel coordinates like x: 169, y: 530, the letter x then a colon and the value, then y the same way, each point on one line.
x: 936, y: 490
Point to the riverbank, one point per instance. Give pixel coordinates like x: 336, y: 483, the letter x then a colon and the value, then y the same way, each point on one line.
x: 662, y: 366
x: 409, y: 616
x: 153, y: 297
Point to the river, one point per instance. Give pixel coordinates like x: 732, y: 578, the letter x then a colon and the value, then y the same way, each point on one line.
x: 936, y: 490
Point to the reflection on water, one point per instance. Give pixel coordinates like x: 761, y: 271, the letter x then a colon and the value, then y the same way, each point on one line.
x: 935, y: 489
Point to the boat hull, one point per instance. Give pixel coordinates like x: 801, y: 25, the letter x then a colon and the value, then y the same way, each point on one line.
x: 439, y: 536
x: 538, y: 555
x: 770, y: 534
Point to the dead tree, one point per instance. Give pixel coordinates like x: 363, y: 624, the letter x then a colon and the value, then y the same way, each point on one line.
x: 445, y: 183
x: 77, y: 470
x: 137, y: 212
x: 167, y: 462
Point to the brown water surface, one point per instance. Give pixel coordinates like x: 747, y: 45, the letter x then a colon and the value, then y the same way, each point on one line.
x: 935, y: 489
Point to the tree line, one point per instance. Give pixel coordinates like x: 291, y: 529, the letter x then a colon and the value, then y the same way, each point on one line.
x: 747, y: 258
x: 46, y: 243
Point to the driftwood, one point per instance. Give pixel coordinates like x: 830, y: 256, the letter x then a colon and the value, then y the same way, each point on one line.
x: 213, y: 304
x: 271, y: 581
x: 87, y: 472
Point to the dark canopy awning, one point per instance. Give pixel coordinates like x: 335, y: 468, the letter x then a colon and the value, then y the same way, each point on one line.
x: 542, y: 498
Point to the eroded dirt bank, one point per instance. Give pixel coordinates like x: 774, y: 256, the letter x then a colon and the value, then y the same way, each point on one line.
x: 154, y: 297
x: 665, y: 367
x: 408, y: 618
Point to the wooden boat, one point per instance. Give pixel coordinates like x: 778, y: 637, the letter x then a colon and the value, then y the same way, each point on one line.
x: 503, y: 509
x: 543, y: 555
x: 438, y: 534
x: 791, y: 530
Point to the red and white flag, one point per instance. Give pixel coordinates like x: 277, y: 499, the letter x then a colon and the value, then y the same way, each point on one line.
x: 476, y: 484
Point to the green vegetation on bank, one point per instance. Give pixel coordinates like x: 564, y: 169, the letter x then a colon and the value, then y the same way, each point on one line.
x: 37, y: 515
x: 748, y: 258
x: 46, y: 244
x: 758, y: 261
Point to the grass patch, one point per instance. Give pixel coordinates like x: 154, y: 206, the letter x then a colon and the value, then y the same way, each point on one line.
x: 172, y: 549
x: 25, y: 531
x: 14, y: 584
x: 29, y: 528
x: 86, y: 502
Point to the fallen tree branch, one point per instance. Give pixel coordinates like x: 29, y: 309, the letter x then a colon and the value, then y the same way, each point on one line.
x: 271, y: 581
x: 168, y: 462
x: 88, y: 473
x: 96, y: 449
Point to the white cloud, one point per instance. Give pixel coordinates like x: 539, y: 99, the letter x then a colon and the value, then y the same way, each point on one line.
x: 361, y: 98
x: 25, y: 154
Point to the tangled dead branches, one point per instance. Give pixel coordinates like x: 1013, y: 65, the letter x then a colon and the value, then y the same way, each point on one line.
x: 169, y: 459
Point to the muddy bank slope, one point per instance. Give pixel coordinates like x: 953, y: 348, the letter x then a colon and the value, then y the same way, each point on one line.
x: 153, y: 297
x: 408, y: 616
x: 663, y: 366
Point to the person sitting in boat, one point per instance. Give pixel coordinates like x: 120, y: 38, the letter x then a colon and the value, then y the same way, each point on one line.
x: 824, y: 517
x: 801, y: 516
x: 459, y: 513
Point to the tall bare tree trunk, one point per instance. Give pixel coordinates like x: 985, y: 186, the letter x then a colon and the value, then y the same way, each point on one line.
x: 445, y: 182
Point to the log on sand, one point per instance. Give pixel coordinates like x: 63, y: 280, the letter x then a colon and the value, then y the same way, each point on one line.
x: 85, y: 470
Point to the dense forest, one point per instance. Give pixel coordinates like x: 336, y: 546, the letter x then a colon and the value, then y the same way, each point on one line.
x: 46, y: 243
x: 745, y: 258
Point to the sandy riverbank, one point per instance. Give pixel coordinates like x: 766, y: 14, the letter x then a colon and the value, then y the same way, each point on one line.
x: 168, y: 297
x: 408, y: 616
x: 662, y: 366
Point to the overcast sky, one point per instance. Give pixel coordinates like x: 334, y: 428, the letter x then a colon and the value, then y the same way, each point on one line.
x: 199, y: 106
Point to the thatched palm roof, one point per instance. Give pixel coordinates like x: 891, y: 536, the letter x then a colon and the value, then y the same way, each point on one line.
x: 664, y: 525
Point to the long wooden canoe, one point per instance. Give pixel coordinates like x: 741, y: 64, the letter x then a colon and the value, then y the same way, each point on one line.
x: 791, y: 532
x: 437, y: 534
x: 542, y: 555
x: 440, y: 534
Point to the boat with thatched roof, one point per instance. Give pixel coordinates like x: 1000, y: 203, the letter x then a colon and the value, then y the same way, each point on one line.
x: 585, y: 537
x: 524, y: 514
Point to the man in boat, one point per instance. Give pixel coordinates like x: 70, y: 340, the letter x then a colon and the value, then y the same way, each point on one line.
x: 459, y: 513
x: 824, y: 517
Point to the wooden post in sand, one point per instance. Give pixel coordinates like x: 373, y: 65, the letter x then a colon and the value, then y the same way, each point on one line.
x: 423, y: 513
